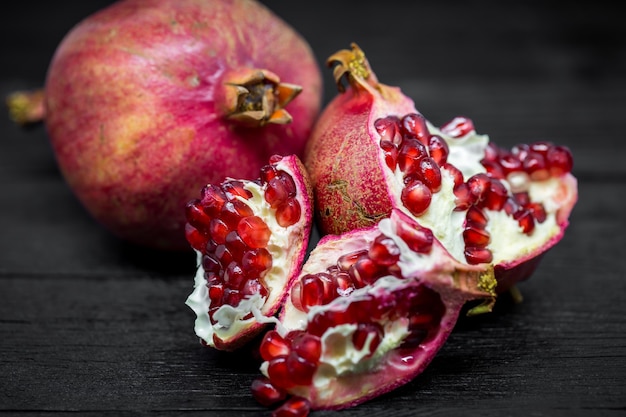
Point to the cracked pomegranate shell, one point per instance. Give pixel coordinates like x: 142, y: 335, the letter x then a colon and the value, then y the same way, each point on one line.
x: 250, y: 238
x: 368, y: 313
x: 372, y: 151
x: 146, y: 100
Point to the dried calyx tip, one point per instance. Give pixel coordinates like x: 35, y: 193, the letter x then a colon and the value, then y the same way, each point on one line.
x: 353, y: 65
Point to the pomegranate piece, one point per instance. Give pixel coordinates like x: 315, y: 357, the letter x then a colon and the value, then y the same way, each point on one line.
x: 240, y: 236
x: 393, y: 157
x: 333, y: 349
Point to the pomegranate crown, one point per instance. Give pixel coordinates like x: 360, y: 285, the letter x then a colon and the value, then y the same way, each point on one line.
x: 352, y: 65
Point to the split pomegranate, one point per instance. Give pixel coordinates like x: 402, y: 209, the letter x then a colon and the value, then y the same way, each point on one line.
x: 371, y: 150
x: 368, y: 312
x: 250, y: 238
x: 146, y: 100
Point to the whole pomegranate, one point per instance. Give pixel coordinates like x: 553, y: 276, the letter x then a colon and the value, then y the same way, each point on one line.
x: 371, y: 151
x: 148, y: 100
x: 368, y: 313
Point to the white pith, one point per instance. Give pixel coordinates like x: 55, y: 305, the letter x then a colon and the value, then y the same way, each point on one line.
x: 508, y: 241
x: 283, y: 246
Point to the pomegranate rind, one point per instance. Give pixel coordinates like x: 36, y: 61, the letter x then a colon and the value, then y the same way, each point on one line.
x: 288, y: 257
x: 456, y: 284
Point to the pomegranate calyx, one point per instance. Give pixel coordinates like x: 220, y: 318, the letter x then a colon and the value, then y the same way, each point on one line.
x: 352, y: 65
x: 256, y: 97
x: 26, y: 107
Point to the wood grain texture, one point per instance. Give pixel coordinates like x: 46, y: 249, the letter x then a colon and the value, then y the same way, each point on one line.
x: 90, y: 325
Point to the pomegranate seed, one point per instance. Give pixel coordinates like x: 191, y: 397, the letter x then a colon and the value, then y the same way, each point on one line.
x: 279, y: 189
x: 416, y: 197
x: 464, y: 198
x: 541, y: 147
x: 216, y: 293
x: 476, y: 218
x: 343, y: 283
x: 365, y: 271
x: 456, y: 173
x: 496, y: 196
x: 494, y: 170
x: 478, y: 255
x: 256, y: 261
x: 429, y: 173
x: 251, y: 287
x: 306, y: 345
x: 234, y: 276
x: 419, y: 239
x: 410, y: 153
x: 196, y: 216
x: 213, y: 198
x: 288, y: 213
x: 273, y: 345
x: 233, y: 211
x: 476, y: 237
x: 274, y: 159
x: 311, y: 292
x: 347, y: 260
x: 438, y: 149
x: 458, y: 127
x: 492, y: 152
x: 293, y: 407
x: 265, y: 393
x: 509, y: 162
x: 278, y: 372
x: 538, y: 211
x: 196, y: 239
x: 267, y: 173
x: 210, y: 263
x: 526, y: 220
x: 559, y: 160
x: 414, y: 124
x: 536, y: 167
x: 520, y: 151
x: 231, y: 297
x: 223, y: 254
x: 522, y: 198
x: 235, y: 189
x: 511, y: 206
x: 391, y: 153
x: 365, y: 331
x: 254, y: 232
x: 384, y: 251
x: 218, y: 230
x: 235, y: 245
x: 479, y: 185
x: 389, y: 129
x: 301, y: 371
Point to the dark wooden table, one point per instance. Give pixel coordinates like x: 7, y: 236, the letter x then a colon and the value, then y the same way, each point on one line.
x: 90, y: 325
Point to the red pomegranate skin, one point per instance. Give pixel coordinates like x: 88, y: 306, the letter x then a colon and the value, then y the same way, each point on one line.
x: 135, y: 107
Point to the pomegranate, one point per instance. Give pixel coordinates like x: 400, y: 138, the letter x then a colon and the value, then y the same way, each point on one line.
x: 146, y: 100
x: 250, y: 237
x: 368, y: 312
x: 371, y: 151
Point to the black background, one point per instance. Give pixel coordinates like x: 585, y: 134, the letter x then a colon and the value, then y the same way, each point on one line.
x: 92, y: 325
